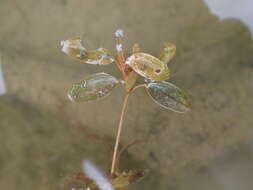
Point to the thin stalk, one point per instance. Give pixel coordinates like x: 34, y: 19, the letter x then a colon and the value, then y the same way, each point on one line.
x: 123, y: 111
x: 116, y: 147
x: 138, y: 86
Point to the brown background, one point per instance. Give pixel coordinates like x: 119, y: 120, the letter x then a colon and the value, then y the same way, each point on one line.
x: 45, y: 137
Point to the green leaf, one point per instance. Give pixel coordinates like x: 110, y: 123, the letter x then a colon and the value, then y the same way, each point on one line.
x: 92, y: 87
x: 169, y: 96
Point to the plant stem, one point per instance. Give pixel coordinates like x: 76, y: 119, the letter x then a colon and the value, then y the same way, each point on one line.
x: 138, y: 86
x: 116, y: 147
x: 123, y: 111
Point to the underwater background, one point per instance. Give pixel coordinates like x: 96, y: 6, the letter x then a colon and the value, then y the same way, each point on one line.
x: 45, y: 137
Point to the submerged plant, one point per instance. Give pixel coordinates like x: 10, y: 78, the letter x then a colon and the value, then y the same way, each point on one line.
x: 99, y: 85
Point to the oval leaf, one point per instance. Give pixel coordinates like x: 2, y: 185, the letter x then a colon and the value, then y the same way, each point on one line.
x: 148, y: 66
x: 169, y: 96
x: 75, y: 49
x: 92, y: 87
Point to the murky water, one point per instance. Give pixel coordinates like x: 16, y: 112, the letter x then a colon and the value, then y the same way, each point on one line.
x: 2, y: 82
x: 45, y: 137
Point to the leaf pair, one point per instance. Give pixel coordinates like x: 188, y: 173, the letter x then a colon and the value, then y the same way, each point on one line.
x: 144, y: 64
x: 100, y: 85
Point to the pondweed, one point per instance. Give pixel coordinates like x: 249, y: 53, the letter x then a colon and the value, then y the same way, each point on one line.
x: 99, y: 85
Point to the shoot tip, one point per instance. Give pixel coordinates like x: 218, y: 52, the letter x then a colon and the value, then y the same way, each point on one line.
x: 119, y: 33
x: 119, y: 47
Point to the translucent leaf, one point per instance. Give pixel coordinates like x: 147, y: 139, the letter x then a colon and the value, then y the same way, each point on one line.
x: 92, y: 87
x: 168, y: 52
x: 148, y: 66
x: 75, y: 49
x: 169, y: 96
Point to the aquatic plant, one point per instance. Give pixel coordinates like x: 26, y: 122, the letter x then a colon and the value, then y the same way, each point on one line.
x: 154, y: 70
